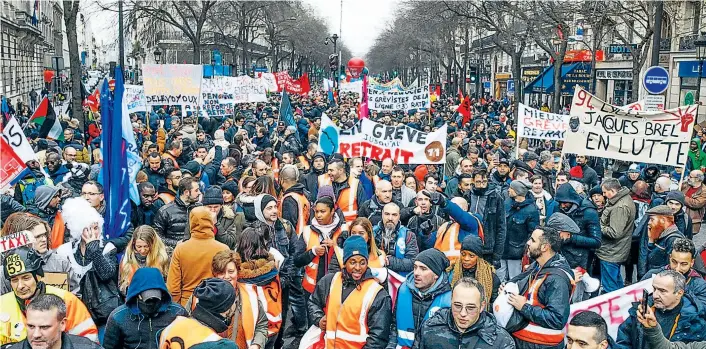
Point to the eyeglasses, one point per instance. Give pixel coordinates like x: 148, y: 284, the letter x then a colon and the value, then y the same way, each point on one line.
x: 470, y: 309
x: 90, y: 194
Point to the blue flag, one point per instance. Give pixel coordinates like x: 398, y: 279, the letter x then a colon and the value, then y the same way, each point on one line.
x: 5, y: 109
x: 116, y: 182
x: 286, y: 113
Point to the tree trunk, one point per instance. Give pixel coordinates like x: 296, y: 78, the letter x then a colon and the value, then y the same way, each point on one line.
x: 556, y: 102
x: 516, y: 74
x: 70, y: 17
x: 636, y: 67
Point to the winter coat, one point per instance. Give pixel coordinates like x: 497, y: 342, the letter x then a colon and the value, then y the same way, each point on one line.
x: 453, y: 158
x: 311, y: 182
x: 656, y: 254
x: 53, y: 263
x: 411, y: 250
x: 655, y: 339
x: 440, y: 332
x: 141, y: 215
x: 191, y: 261
x: 68, y: 341
x: 695, y: 205
x: 522, y: 218
x: 425, y: 227
x: 494, y: 222
x: 212, y: 169
x: 695, y: 283
x: 577, y: 248
x: 282, y: 238
x: 548, y: 179
x: 691, y: 326
x: 225, y: 228
x: 171, y: 222
x: 617, y: 224
x: 97, y: 257
x: 697, y: 157
x: 58, y: 176
x: 126, y: 325
x: 403, y: 195
x: 372, y: 209
x: 590, y: 177
x: 290, y: 205
x: 8, y: 206
x: 378, y: 318
x: 291, y: 143
x: 503, y: 184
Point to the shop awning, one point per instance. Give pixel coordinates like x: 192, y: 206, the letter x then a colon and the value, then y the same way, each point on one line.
x: 571, y: 74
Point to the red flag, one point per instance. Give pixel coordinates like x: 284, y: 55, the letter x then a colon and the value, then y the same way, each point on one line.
x: 465, y: 110
x: 41, y: 112
x: 460, y: 95
x: 12, y: 165
x: 93, y: 101
x: 363, y: 110
x: 303, y: 82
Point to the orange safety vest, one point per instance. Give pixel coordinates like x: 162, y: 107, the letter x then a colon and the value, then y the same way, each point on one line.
x: 324, y: 179
x: 348, y: 200
x: 248, y: 314
x: 166, y: 197
x: 305, y: 162
x: 346, y: 322
x: 534, y: 333
x: 304, y: 211
x: 170, y: 157
x: 275, y: 168
x: 57, y: 231
x: 270, y: 296
x: 184, y: 333
x: 447, y: 239
x: 311, y: 239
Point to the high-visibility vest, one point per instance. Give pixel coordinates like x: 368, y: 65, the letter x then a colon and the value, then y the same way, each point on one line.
x: 184, y: 333
x: 405, y: 318
x: 312, y: 239
x: 346, y: 322
x: 447, y: 240
x: 324, y: 179
x: 373, y: 260
x: 348, y: 200
x: 275, y: 168
x: 303, y: 206
x: 270, y: 296
x: 12, y: 320
x: 57, y: 231
x: 305, y: 162
x: 166, y: 197
x: 534, y: 333
x: 248, y: 314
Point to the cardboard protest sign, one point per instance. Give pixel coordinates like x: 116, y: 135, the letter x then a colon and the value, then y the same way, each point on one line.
x: 15, y: 240
x: 614, y: 306
x: 134, y: 98
x: 247, y: 90
x: 534, y: 123
x: 413, y: 98
x: 216, y: 97
x: 173, y: 85
x: 599, y: 129
x: 58, y: 280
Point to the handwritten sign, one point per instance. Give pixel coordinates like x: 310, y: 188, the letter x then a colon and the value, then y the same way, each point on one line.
x: 413, y: 98
x: 134, y: 98
x: 599, y: 129
x: 247, y: 90
x: 58, y: 280
x: 269, y: 80
x: 173, y: 84
x: 534, y: 123
x: 216, y: 97
x: 16, y: 240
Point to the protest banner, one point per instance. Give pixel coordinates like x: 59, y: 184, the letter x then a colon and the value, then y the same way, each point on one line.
x: 15, y: 137
x: 613, y: 306
x: 12, y: 166
x: 599, y: 129
x: 173, y: 85
x: 638, y: 106
x: 269, y: 80
x: 246, y: 89
x: 356, y: 86
x: 534, y: 123
x: 134, y: 98
x: 394, y: 85
x: 414, y: 98
x: 58, y: 280
x: 15, y: 240
x: 402, y: 144
x: 217, y: 97
x: 286, y: 83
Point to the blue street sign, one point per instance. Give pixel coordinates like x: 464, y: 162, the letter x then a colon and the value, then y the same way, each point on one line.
x: 656, y: 80
x: 511, y: 86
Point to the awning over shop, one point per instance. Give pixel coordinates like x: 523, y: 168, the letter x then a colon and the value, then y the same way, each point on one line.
x: 572, y: 74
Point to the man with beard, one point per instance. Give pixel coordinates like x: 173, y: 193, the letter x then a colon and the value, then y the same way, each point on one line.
x: 312, y: 180
x: 173, y: 217
x: 167, y: 192
x: 500, y: 178
x: 425, y: 223
x: 46, y: 206
x: 350, y: 306
x: 454, y: 186
x: 145, y: 212
x: 487, y: 203
x: 695, y: 198
x: 660, y: 190
x: 682, y: 260
x: 228, y: 171
x: 545, y: 169
x: 55, y: 168
x: 576, y: 247
x: 677, y: 313
x: 172, y: 153
x: 545, y: 292
x: 348, y: 190
x: 661, y: 234
x: 590, y: 177
x: 522, y: 217
x: 398, y: 243
x: 154, y: 170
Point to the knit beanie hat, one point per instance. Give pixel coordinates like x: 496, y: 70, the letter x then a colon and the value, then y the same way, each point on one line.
x: 215, y: 295
x: 676, y: 196
x: 354, y: 246
x: 213, y: 195
x: 230, y: 186
x: 319, y: 155
x: 473, y: 244
x: 192, y: 167
x: 434, y: 260
x: 520, y: 187
x: 260, y: 203
x: 576, y: 172
x: 326, y: 190
x: 562, y: 222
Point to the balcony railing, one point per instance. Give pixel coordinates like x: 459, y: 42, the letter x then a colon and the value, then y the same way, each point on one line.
x: 171, y: 36
x: 665, y: 44
x: 686, y: 43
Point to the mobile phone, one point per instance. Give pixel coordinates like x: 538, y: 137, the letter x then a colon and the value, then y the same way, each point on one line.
x: 644, y: 301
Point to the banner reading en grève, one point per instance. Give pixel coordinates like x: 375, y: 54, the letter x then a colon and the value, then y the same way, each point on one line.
x: 534, y: 123
x: 413, y: 98
x: 599, y: 129
x: 173, y: 85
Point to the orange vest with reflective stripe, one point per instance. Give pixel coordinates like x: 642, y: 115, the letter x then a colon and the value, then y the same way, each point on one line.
x: 275, y: 168
x: 311, y: 239
x: 270, y: 296
x: 166, y: 197
x: 348, y: 200
x: 184, y: 333
x: 305, y: 163
x: 166, y: 156
x: 57, y: 232
x: 304, y: 211
x: 447, y: 241
x: 346, y: 322
x: 248, y: 314
x: 324, y: 179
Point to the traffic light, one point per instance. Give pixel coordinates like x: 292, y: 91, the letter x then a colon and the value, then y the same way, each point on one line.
x: 333, y: 61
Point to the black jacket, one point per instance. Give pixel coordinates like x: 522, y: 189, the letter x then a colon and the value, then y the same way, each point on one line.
x: 9, y: 206
x: 372, y: 209
x: 590, y: 177
x: 400, y: 265
x: 378, y: 318
x: 494, y: 222
x: 522, y: 218
x: 548, y: 179
x: 171, y: 222
x: 311, y: 182
x: 290, y: 206
x: 425, y: 226
x: 282, y: 238
x: 585, y: 215
x: 212, y: 169
x: 440, y: 332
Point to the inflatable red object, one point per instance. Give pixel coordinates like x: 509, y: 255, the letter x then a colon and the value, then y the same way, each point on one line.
x: 355, y: 66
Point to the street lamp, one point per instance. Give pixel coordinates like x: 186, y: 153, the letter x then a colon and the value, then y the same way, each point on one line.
x: 700, y: 45
x: 333, y: 38
x: 157, y: 55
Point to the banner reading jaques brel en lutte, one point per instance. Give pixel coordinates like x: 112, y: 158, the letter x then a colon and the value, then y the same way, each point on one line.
x: 534, y: 123
x: 402, y: 144
x: 412, y: 98
x: 599, y: 129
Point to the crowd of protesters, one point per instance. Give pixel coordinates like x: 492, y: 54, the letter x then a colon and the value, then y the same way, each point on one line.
x: 245, y: 235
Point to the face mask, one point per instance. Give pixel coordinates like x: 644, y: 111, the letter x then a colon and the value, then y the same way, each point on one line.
x: 480, y: 191
x: 149, y: 308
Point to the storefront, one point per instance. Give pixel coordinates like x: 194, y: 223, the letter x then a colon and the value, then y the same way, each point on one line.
x: 688, y: 81
x: 501, y: 84
x: 617, y: 84
x: 572, y: 74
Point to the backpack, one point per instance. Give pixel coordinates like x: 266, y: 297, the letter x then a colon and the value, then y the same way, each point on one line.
x: 28, y: 188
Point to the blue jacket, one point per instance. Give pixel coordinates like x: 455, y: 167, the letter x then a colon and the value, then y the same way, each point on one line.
x: 522, y: 218
x: 128, y: 328
x: 695, y: 283
x: 58, y: 176
x: 469, y: 224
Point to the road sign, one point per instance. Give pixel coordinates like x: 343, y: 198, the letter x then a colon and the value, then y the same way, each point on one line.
x: 689, y: 98
x: 654, y: 102
x: 656, y: 80
x: 511, y: 86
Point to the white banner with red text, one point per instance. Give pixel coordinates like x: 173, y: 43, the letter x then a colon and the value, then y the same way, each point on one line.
x: 534, y: 123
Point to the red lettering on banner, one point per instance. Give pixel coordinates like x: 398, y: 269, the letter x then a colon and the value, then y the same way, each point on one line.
x: 376, y: 153
x: 343, y: 149
x: 365, y: 149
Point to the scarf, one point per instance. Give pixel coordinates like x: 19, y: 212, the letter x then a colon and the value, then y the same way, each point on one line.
x: 326, y: 230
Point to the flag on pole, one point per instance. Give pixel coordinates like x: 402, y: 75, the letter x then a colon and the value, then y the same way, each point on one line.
x: 115, y: 176
x: 465, y: 110
x: 285, y: 110
x: 364, y: 112
x: 50, y: 124
x: 41, y: 112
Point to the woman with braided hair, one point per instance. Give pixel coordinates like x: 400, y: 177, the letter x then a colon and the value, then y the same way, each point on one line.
x: 472, y: 264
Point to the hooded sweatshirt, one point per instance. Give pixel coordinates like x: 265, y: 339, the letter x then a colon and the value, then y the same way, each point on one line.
x: 191, y: 261
x: 697, y: 157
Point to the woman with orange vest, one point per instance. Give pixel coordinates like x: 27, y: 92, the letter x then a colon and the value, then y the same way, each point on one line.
x: 361, y: 226
x: 350, y: 306
x: 145, y: 249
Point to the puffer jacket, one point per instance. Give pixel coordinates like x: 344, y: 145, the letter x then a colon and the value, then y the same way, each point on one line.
x: 494, y: 221
x: 584, y: 214
x: 172, y: 221
x: 617, y: 224
x: 522, y: 218
x: 691, y: 326
x: 440, y: 332
x: 695, y: 283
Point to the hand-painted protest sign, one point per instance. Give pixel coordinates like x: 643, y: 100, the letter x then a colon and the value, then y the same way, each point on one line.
x: 269, y: 80
x: 134, y: 98
x: 414, y: 98
x: 173, y: 85
x: 402, y: 144
x: 247, y: 90
x: 637, y: 106
x: 534, y: 123
x: 355, y: 86
x: 15, y: 240
x: 600, y: 129
x: 217, y: 97
x: 613, y: 306
x: 394, y: 85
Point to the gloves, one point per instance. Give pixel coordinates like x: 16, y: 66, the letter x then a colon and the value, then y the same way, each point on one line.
x: 496, y: 265
x: 435, y: 198
x: 426, y: 226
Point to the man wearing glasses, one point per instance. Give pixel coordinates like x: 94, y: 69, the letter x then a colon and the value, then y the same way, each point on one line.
x: 92, y: 191
x: 486, y: 202
x: 466, y: 324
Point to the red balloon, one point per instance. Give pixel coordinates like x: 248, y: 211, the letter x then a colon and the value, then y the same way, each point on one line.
x: 356, y: 65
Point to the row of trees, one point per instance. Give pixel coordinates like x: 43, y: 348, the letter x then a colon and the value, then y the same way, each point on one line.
x: 443, y: 36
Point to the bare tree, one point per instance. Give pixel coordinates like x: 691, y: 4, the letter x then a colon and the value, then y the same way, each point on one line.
x: 70, y: 18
